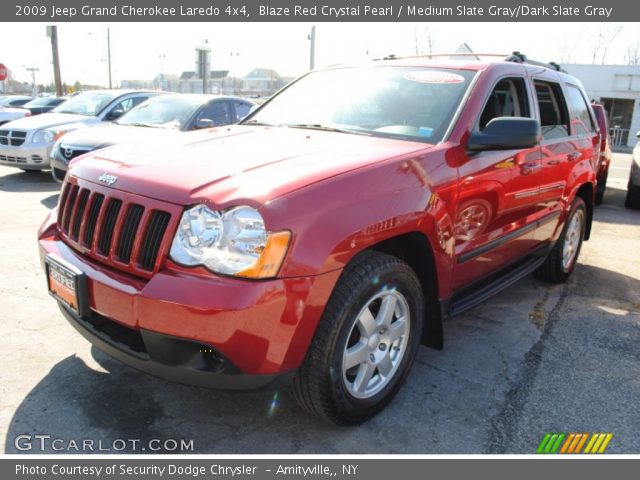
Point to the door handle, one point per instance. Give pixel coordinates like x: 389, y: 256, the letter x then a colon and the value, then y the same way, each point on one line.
x: 574, y: 155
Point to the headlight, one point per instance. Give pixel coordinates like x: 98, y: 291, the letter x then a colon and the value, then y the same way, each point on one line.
x: 231, y: 242
x: 56, y: 147
x: 43, y: 136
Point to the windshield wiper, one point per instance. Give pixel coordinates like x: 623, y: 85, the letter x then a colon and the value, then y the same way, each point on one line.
x: 137, y: 124
x: 256, y: 122
x: 326, y: 128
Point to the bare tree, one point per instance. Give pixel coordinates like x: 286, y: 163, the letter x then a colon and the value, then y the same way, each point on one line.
x: 603, y: 40
x: 424, y: 41
x: 567, y: 47
x: 633, y: 52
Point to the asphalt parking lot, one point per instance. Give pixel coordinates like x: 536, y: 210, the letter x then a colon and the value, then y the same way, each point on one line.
x: 534, y: 359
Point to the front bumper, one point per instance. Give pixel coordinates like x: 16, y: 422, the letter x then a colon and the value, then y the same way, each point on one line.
x: 634, y: 174
x: 170, y: 358
x: 30, y: 156
x: 201, y: 330
x: 59, y: 166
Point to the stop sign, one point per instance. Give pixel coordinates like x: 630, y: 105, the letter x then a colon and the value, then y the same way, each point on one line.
x: 3, y: 72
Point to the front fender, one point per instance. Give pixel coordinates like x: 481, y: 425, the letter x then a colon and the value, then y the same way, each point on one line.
x: 334, y: 220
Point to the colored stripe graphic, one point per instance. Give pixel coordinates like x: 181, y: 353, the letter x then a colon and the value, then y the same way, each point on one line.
x: 572, y: 443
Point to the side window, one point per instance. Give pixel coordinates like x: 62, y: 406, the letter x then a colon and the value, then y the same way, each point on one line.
x: 242, y: 109
x: 581, y: 121
x: 554, y: 118
x: 218, y: 112
x: 508, y: 99
x: 128, y: 103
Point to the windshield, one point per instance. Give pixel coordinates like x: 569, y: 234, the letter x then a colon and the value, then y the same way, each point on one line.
x: 88, y: 103
x: 414, y: 103
x: 162, y: 112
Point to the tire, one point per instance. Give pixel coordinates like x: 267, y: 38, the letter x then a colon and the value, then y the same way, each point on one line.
x: 27, y: 170
x: 557, y: 267
x: 342, y: 396
x: 632, y: 200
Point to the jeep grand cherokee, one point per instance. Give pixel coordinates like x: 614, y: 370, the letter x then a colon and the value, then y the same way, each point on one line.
x: 322, y: 240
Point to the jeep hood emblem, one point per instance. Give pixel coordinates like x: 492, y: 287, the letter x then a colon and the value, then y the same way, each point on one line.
x: 108, y: 179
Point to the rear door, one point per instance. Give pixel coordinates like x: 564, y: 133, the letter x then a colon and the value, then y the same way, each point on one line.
x: 561, y: 149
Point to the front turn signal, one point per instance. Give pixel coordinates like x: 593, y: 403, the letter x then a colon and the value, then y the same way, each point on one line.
x: 271, y: 258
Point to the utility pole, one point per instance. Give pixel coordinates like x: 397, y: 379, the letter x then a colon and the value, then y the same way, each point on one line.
x: 109, y: 54
x: 52, y: 32
x: 312, y: 48
x: 202, y: 63
x: 34, y: 88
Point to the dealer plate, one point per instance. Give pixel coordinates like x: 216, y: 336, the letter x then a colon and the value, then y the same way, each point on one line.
x: 66, y: 284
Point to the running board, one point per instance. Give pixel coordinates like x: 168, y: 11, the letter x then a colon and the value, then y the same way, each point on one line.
x: 476, y: 294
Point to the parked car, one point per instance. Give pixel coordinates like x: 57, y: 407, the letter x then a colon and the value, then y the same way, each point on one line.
x: 27, y: 143
x: 8, y: 114
x: 14, y: 100
x: 179, y: 113
x: 322, y: 239
x: 44, y: 104
x: 604, y: 159
x: 632, y: 200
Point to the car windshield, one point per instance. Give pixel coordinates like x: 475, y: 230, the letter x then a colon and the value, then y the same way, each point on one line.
x: 414, y: 103
x: 88, y: 103
x: 162, y: 112
x: 41, y: 102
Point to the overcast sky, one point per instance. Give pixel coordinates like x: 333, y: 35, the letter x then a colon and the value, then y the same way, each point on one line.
x: 141, y: 50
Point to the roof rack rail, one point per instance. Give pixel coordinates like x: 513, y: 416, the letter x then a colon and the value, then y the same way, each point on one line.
x: 515, y: 57
x: 518, y: 57
x: 439, y: 55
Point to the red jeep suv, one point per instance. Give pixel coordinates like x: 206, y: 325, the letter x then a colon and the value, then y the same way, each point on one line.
x: 322, y: 240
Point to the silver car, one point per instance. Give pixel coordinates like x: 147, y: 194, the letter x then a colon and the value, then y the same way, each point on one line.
x: 27, y: 142
x: 633, y: 188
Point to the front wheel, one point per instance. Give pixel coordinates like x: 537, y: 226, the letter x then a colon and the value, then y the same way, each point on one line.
x: 632, y: 200
x: 365, y: 343
x: 563, y: 257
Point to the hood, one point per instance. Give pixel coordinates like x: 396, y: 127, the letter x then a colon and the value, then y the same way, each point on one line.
x: 237, y: 163
x: 113, y: 134
x: 13, y: 110
x: 47, y: 120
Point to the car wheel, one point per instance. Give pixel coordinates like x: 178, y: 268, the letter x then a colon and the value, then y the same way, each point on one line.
x: 562, y: 259
x: 632, y: 200
x: 26, y: 170
x: 365, y: 342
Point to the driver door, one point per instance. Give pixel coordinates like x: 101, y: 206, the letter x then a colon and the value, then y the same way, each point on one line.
x: 495, y: 215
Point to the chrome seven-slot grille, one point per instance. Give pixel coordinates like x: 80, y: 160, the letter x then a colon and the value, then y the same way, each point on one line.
x: 12, y: 137
x: 120, y: 229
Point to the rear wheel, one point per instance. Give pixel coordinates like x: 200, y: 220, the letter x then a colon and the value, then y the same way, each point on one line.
x: 365, y: 343
x: 632, y: 200
x: 562, y: 259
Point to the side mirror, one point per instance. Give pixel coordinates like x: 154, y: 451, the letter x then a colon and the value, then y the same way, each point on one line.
x: 204, y: 123
x: 505, y: 133
x: 115, y: 114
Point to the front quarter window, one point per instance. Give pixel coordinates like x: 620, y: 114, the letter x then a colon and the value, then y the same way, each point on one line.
x: 414, y: 103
